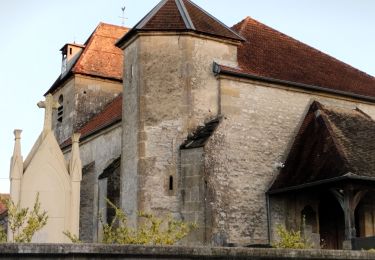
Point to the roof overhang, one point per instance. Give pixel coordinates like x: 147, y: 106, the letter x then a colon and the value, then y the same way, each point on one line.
x: 237, y: 72
x: 347, y: 177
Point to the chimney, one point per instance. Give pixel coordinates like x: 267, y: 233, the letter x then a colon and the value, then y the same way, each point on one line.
x: 70, y: 51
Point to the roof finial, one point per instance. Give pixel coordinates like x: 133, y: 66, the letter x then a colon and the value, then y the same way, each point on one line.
x: 123, y: 18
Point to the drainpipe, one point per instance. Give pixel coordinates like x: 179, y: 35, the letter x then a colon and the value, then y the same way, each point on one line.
x: 268, y: 218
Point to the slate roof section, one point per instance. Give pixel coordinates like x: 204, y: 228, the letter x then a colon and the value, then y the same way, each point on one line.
x: 271, y: 54
x: 201, y: 135
x: 99, y: 58
x: 181, y: 16
x: 332, y: 144
x: 109, y: 116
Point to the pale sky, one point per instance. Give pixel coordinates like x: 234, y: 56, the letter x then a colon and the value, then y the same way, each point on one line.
x: 32, y: 32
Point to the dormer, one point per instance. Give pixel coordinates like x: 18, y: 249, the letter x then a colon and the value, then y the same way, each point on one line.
x: 68, y: 52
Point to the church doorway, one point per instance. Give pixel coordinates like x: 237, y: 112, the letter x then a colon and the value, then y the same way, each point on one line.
x: 331, y: 223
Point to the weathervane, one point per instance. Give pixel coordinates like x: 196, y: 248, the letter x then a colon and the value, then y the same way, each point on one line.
x: 123, y: 18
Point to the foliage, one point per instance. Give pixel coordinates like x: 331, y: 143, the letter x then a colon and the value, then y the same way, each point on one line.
x: 290, y: 239
x: 23, y: 223
x: 3, y: 235
x: 72, y: 237
x: 152, y: 231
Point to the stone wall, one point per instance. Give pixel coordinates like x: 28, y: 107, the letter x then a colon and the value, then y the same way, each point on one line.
x: 259, y: 125
x: 92, y: 95
x: 193, y: 193
x: 83, y: 97
x: 64, y: 129
x: 97, y: 153
x: 86, y: 221
x: 100, y: 251
x: 169, y: 89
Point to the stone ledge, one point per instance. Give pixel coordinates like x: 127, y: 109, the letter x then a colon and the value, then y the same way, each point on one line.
x: 98, y: 251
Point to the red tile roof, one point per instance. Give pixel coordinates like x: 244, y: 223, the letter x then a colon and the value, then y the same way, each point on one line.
x: 181, y: 16
x: 100, y: 57
x: 269, y: 53
x: 110, y: 115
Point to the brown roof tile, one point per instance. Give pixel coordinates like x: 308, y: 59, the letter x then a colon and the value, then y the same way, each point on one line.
x: 269, y: 53
x: 167, y: 18
x: 110, y: 115
x: 100, y: 57
x: 180, y: 16
x: 206, y: 23
x: 332, y: 143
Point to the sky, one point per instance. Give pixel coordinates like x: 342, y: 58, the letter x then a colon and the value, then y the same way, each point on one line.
x: 32, y: 33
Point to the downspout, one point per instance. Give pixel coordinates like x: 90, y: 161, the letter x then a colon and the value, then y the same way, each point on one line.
x: 268, y: 218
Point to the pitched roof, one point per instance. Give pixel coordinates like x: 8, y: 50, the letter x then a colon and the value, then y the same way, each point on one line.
x: 332, y: 144
x: 271, y: 54
x: 110, y: 115
x: 181, y: 16
x: 100, y: 57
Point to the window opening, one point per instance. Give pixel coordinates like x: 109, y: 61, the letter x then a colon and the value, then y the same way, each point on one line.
x: 170, y: 182
x: 60, y: 110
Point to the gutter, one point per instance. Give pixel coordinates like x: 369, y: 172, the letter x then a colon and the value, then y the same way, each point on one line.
x: 347, y: 176
x: 218, y: 70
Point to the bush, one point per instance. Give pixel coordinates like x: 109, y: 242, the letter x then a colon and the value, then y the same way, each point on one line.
x: 290, y: 239
x: 153, y: 231
x: 23, y: 223
x: 3, y: 235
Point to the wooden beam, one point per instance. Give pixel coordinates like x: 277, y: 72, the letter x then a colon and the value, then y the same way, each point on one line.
x: 348, y: 200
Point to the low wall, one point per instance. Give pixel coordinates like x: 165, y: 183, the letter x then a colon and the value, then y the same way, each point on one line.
x: 100, y: 251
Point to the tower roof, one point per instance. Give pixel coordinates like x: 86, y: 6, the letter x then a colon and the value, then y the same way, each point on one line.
x: 181, y: 16
x: 99, y: 57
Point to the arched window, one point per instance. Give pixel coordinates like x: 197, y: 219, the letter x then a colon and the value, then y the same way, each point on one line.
x: 308, y: 217
x: 60, y: 110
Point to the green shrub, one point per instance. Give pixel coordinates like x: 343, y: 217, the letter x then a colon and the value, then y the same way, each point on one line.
x: 3, y: 235
x: 290, y: 239
x: 72, y: 237
x: 152, y: 231
x: 23, y: 223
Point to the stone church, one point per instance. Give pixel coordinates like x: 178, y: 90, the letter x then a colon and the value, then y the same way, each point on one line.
x: 239, y: 129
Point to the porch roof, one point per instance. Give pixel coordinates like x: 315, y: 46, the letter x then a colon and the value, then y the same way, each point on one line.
x: 333, y: 144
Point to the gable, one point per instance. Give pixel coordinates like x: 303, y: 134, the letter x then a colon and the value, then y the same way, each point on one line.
x: 332, y: 144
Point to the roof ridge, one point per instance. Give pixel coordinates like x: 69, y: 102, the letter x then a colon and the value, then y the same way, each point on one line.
x: 217, y: 20
x: 113, y: 25
x: 249, y: 19
x: 185, y: 14
x: 150, y: 14
x: 87, y: 46
x: 242, y: 24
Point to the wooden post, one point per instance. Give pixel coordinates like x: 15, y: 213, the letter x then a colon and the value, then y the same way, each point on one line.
x: 349, y: 200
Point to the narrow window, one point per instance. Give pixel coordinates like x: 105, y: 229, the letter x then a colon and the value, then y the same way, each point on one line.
x: 70, y: 51
x: 170, y: 183
x: 60, y: 110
